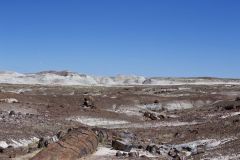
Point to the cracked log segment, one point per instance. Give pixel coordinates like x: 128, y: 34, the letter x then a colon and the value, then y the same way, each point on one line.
x: 76, y: 144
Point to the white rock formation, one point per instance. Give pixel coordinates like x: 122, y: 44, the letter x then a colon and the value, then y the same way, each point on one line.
x: 71, y: 78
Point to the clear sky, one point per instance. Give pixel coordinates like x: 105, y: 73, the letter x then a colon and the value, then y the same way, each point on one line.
x: 109, y: 37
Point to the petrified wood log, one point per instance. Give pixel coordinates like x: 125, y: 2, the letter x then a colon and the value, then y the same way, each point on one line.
x: 76, y: 144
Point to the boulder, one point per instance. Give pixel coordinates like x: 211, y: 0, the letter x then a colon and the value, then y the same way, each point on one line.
x: 122, y: 145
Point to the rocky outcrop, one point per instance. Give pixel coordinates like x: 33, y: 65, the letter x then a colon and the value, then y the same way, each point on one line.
x: 75, y: 144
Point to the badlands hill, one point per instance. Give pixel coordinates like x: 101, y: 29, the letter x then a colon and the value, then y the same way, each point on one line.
x: 72, y: 78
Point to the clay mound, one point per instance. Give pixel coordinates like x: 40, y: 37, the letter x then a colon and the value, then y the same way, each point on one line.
x: 76, y: 144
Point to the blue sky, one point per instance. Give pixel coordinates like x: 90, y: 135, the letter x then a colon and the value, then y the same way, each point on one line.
x: 109, y: 37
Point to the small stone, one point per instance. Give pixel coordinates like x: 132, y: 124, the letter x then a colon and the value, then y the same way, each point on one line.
x: 140, y: 147
x: 152, y: 149
x: 162, y: 115
x: 153, y: 117
x: 133, y: 154
x: 124, y: 154
x: 235, y: 121
x: 102, y: 136
x: 200, y: 150
x: 1, y: 150
x: 42, y: 143
x: 173, y: 153
x: 237, y: 99
x: 119, y: 154
x: 12, y: 113
x: 147, y: 114
x: 69, y: 130
x: 88, y: 103
x: 156, y: 101
x: 229, y: 107
x: 60, y: 134
x: 10, y: 147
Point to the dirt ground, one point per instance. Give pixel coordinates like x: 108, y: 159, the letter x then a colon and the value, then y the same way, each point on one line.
x: 201, y: 122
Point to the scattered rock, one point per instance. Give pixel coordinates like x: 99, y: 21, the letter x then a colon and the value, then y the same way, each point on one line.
x: 12, y: 113
x: 200, y: 149
x: 187, y: 148
x: 121, y: 145
x: 60, y: 134
x: 149, y: 115
x: 124, y: 154
x: 235, y: 121
x: 193, y: 131
x: 102, y: 136
x: 152, y: 149
x: 1, y: 150
x: 133, y: 154
x: 173, y: 153
x: 153, y: 116
x: 42, y: 143
x: 237, y: 99
x: 229, y: 107
x: 162, y: 115
x: 119, y: 154
x: 238, y: 107
x: 156, y: 101
x: 53, y: 139
x: 70, y: 129
x: 140, y: 147
x: 88, y: 103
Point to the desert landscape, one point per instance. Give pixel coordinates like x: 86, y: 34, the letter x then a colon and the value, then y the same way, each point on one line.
x: 119, y: 80
x: 65, y: 115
